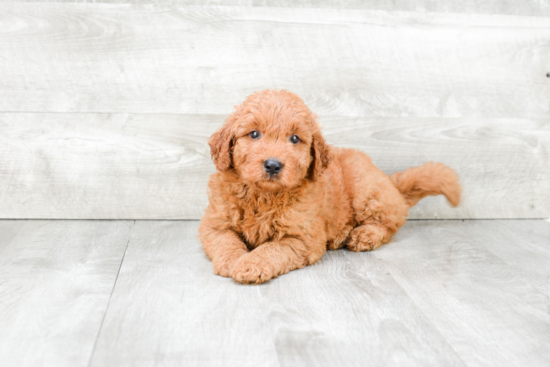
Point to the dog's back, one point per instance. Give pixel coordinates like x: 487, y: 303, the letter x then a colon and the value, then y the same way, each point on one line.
x: 374, y: 200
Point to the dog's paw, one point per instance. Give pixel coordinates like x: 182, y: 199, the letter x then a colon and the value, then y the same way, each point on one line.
x: 222, y: 266
x: 366, y: 238
x: 252, y: 269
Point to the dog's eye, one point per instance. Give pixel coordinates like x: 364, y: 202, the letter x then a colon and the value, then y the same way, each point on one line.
x: 254, y: 135
x: 294, y: 139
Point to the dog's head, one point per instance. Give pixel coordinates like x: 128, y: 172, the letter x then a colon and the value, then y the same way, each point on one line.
x: 272, y: 141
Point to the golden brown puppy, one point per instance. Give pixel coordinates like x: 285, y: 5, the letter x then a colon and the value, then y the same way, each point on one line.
x: 282, y: 195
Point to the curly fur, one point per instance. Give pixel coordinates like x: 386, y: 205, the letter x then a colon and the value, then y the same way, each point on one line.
x: 257, y: 227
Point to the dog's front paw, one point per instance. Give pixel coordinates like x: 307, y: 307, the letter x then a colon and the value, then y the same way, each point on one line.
x: 252, y: 269
x: 223, y: 265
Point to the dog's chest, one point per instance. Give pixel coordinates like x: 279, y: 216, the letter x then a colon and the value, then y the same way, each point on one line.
x: 260, y: 224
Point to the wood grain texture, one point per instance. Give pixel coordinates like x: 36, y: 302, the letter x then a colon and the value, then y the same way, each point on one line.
x: 63, y: 57
x: 513, y: 7
x: 484, y: 284
x: 56, y: 278
x: 155, y: 166
x: 442, y: 293
x: 452, y: 293
x: 169, y: 309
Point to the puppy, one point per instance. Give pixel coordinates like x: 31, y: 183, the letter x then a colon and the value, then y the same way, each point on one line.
x: 282, y: 196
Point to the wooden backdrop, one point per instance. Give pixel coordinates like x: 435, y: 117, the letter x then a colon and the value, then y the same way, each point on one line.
x: 106, y: 106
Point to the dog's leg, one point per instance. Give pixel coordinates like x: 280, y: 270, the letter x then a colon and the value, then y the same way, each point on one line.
x: 223, y: 248
x: 275, y: 258
x: 369, y: 237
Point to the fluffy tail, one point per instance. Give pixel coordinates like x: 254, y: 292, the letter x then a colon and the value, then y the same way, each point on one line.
x: 429, y: 179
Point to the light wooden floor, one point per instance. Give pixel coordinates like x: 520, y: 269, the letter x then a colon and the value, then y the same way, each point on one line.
x: 142, y: 293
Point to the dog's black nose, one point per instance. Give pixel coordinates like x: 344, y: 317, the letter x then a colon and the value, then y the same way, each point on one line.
x: 272, y: 166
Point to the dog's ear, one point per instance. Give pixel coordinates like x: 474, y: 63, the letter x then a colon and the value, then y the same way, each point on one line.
x: 221, y: 143
x: 321, y: 154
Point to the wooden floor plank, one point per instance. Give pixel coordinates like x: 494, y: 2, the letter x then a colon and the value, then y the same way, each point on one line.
x: 169, y: 309
x: 149, y: 166
x: 452, y: 302
x: 459, y: 293
x: 348, y: 310
x: 63, y: 57
x: 56, y: 278
x: 483, y: 284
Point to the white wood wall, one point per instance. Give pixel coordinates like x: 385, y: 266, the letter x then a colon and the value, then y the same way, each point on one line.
x: 105, y: 108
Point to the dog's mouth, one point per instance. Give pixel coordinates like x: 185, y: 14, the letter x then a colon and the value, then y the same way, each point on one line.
x: 270, y: 183
x: 271, y: 178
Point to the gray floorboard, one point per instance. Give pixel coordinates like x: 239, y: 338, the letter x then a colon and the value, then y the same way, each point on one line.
x: 483, y: 285
x: 56, y: 278
x: 443, y: 293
